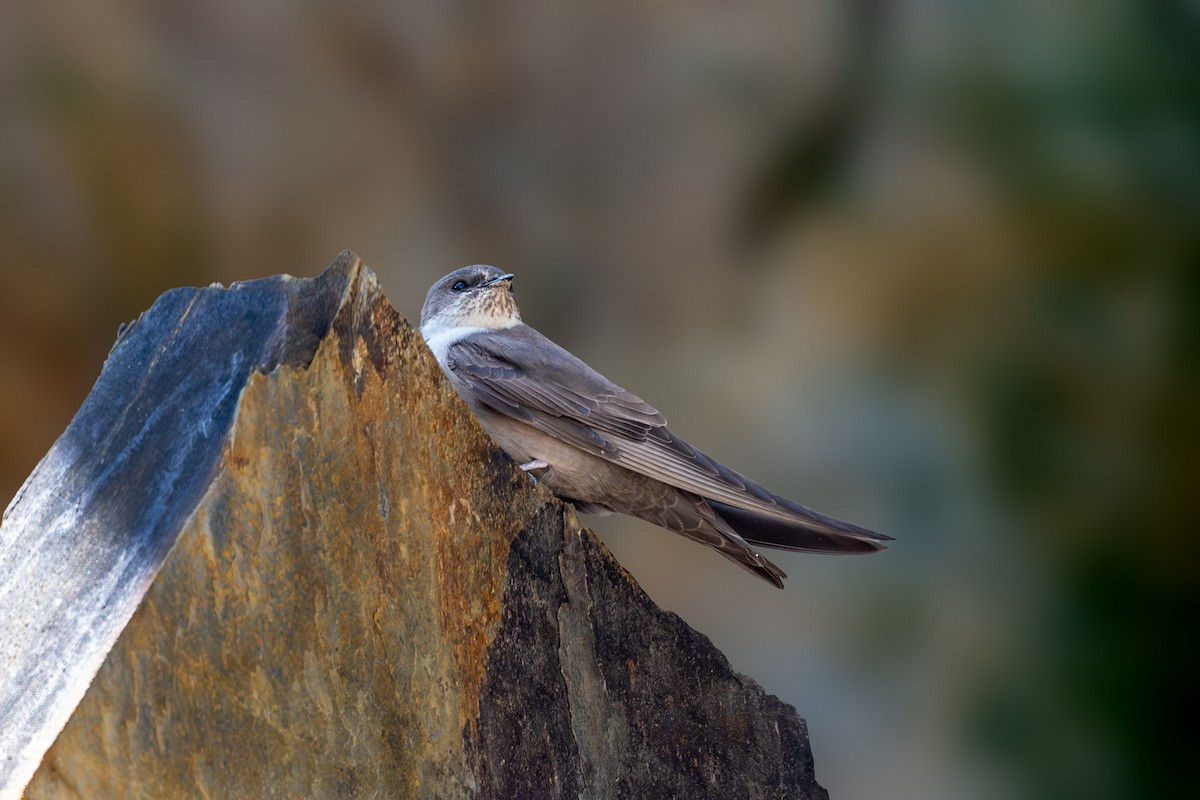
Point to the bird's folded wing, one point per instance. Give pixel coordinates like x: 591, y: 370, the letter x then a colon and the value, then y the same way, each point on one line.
x: 531, y: 379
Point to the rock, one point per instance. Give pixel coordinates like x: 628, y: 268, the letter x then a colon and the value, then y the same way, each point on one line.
x: 302, y: 570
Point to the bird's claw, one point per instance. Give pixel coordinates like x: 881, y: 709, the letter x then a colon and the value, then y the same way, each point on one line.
x: 532, y: 467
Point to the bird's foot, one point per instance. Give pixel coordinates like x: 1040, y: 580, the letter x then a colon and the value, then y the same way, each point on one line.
x: 533, y: 468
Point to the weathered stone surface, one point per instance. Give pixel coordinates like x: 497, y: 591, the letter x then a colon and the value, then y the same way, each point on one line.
x: 593, y: 691
x: 84, y: 537
x: 365, y: 598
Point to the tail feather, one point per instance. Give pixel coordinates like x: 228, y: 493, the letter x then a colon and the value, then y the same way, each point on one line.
x: 691, y: 516
x: 811, y: 532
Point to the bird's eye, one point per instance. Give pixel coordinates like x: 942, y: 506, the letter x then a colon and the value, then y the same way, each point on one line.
x: 459, y: 286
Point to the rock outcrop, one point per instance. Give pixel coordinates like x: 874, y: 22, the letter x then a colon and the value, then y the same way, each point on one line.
x: 274, y: 556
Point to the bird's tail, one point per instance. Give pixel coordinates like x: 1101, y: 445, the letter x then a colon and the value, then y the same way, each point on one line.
x: 803, y: 529
x: 691, y: 516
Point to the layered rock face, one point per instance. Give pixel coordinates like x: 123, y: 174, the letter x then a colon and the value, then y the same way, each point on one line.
x: 302, y: 570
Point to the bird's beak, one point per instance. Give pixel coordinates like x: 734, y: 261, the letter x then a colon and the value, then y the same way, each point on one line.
x: 499, y: 279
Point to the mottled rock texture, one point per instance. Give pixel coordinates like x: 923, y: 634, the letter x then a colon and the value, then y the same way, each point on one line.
x: 340, y: 588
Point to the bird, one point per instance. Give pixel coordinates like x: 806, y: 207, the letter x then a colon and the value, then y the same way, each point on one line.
x: 603, y: 448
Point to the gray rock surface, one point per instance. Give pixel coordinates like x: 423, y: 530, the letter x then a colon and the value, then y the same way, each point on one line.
x: 302, y: 570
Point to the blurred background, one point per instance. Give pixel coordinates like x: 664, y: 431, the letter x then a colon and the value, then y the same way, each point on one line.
x: 930, y: 266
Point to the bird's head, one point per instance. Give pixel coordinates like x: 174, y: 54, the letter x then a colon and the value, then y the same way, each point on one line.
x: 471, y: 297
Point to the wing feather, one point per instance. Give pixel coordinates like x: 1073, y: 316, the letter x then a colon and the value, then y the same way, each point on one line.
x: 526, y: 376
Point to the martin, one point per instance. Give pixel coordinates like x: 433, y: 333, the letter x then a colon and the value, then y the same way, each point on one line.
x: 599, y: 447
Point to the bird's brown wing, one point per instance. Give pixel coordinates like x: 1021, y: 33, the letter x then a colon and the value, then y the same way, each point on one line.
x: 524, y: 375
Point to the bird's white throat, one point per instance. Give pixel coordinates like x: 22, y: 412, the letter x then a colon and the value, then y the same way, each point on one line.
x: 441, y: 336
